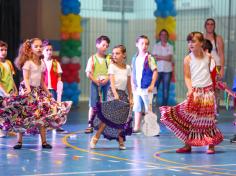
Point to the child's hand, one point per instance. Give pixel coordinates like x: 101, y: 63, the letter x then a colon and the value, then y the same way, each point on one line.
x: 189, y: 93
x: 7, y: 95
x: 104, y: 81
x: 27, y: 91
x: 131, y: 102
x: 97, y: 82
x: 150, y: 89
x: 116, y: 96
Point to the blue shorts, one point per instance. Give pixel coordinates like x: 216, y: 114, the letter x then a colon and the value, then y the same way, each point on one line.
x: 94, y: 96
x: 141, y: 102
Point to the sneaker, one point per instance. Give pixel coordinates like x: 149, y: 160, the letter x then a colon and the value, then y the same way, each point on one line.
x: 136, y: 132
x: 233, y: 140
x: 122, y: 146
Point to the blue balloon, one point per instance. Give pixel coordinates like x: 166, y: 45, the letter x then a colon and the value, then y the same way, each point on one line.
x: 173, y: 12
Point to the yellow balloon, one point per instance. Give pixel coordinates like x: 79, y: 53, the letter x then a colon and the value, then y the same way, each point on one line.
x: 71, y: 23
x: 168, y: 23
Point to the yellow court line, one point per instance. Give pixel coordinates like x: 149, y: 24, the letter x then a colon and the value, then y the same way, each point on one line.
x: 186, y: 166
x: 64, y: 140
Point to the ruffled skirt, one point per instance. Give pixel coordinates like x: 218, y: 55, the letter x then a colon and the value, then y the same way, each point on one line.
x: 193, y: 121
x: 116, y: 114
x: 26, y: 113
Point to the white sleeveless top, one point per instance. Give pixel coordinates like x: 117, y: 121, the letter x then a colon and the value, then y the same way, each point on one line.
x: 215, y: 54
x: 200, y: 72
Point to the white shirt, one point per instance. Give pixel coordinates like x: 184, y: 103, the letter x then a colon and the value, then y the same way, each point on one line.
x: 139, y: 62
x: 121, y: 75
x: 48, y: 64
x: 200, y: 71
x: 35, y: 72
x: 160, y: 50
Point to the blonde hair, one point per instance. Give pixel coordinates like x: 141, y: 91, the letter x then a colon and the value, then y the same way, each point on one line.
x: 25, y: 52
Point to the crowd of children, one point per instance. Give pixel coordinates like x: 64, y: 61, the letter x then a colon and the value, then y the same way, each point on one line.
x: 116, y: 89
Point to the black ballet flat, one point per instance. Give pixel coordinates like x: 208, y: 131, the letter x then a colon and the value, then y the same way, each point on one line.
x: 45, y: 145
x: 18, y: 146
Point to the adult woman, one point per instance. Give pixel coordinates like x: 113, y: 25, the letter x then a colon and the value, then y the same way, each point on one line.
x: 163, y: 52
x: 217, y: 53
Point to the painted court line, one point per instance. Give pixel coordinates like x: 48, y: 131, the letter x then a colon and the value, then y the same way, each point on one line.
x: 96, y: 172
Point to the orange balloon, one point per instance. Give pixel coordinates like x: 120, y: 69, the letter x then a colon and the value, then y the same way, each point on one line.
x: 65, y: 36
x: 172, y: 36
x: 75, y: 35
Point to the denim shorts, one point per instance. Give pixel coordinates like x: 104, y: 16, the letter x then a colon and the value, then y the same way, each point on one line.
x: 94, y: 96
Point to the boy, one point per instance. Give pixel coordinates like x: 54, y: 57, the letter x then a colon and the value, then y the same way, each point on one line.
x: 97, y: 72
x: 7, y: 84
x: 144, y: 76
x: 52, y: 73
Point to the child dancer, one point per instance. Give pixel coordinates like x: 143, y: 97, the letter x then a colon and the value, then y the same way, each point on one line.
x: 193, y: 121
x: 96, y: 71
x: 46, y: 112
x: 7, y: 84
x: 52, y: 73
x: 114, y: 125
x: 144, y: 76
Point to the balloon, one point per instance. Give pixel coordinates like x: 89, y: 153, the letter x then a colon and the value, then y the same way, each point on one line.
x: 70, y: 6
x: 65, y: 36
x: 71, y: 23
x: 168, y: 23
x: 71, y: 48
x: 75, y: 35
x: 165, y: 8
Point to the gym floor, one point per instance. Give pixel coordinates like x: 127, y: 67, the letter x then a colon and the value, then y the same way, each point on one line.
x: 144, y: 156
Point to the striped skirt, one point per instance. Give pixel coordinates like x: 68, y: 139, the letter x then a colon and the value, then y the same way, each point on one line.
x: 193, y: 121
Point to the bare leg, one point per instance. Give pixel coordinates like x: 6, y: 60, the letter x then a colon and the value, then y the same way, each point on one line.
x: 43, y: 138
x: 211, y: 149
x: 91, y: 115
x: 19, y: 141
x: 121, y: 142
x: 96, y: 137
x: 137, y: 120
x: 19, y: 137
x: 100, y: 130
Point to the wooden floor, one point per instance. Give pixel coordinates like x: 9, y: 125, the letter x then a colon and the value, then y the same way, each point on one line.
x: 144, y: 156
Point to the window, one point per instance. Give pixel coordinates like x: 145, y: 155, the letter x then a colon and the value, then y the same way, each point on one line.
x: 116, y: 5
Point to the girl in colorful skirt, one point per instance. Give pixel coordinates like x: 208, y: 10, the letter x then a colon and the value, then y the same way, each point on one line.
x: 112, y: 118
x: 40, y: 111
x: 193, y: 121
